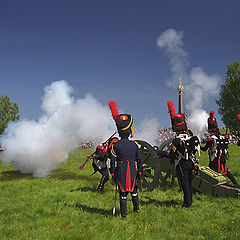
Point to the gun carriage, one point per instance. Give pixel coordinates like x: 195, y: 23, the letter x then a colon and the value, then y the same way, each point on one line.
x: 157, y: 168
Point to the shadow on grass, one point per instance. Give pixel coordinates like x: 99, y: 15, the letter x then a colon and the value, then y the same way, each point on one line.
x: 13, y: 175
x: 67, y: 175
x: 92, y: 209
x: 158, y: 203
x: 84, y: 189
x: 165, y: 187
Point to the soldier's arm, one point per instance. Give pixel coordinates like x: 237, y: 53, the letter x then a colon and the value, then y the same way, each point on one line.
x: 113, y: 160
x: 207, y: 145
x: 138, y: 160
x: 172, y: 154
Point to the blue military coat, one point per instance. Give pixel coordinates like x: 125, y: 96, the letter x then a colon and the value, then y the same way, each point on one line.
x: 125, y: 155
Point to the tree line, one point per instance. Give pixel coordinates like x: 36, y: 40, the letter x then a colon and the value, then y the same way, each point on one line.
x: 8, y: 112
x: 229, y: 98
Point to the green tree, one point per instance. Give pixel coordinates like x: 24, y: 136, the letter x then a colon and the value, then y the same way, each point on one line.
x: 8, y: 112
x: 229, y: 99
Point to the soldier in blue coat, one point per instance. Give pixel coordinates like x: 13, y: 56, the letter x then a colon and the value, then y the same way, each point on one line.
x: 125, y: 155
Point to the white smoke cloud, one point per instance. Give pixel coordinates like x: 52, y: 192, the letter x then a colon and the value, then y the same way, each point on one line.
x: 148, y: 131
x: 199, y: 86
x: 38, y: 147
x: 56, y: 95
x: 171, y: 41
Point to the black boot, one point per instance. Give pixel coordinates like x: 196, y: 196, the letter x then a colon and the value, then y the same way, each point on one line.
x: 101, y: 185
x: 232, y: 178
x: 135, y: 202
x: 123, y: 207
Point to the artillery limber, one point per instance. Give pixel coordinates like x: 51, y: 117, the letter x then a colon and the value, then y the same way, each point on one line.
x: 158, y: 170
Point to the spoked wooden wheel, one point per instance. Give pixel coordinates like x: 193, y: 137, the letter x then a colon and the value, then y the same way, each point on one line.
x: 167, y: 171
x: 149, y: 178
x: 166, y: 145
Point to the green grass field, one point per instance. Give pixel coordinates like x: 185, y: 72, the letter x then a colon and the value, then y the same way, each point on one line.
x: 65, y: 205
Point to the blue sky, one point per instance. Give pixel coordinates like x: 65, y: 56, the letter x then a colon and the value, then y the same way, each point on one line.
x: 109, y: 49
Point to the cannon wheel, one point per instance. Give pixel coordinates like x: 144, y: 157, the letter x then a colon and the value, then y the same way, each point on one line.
x: 166, y: 145
x: 150, y: 163
x: 167, y: 171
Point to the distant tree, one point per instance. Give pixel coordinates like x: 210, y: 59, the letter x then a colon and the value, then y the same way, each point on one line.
x: 8, y: 112
x: 229, y: 99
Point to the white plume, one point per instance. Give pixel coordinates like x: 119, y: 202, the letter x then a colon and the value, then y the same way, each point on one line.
x: 199, y: 86
x: 171, y: 41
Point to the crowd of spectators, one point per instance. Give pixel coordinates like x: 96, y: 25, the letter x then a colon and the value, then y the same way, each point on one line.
x: 88, y: 144
x: 165, y: 134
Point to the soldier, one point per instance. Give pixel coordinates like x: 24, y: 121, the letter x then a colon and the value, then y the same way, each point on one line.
x: 103, y: 151
x: 182, y: 154
x: 217, y: 146
x: 212, y: 124
x: 125, y: 154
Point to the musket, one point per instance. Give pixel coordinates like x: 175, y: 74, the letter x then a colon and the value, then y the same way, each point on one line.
x: 139, y: 183
x: 89, y: 157
x: 92, y: 155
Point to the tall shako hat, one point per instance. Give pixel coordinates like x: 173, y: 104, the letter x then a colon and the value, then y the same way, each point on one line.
x: 179, y: 124
x: 124, y: 122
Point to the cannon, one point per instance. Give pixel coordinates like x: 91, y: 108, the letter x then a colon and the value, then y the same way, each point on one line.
x: 158, y: 170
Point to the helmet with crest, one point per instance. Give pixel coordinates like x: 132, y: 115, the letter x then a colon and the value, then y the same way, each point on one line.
x: 178, y: 121
x: 124, y: 122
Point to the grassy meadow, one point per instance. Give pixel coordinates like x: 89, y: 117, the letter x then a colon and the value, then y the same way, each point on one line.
x: 66, y: 205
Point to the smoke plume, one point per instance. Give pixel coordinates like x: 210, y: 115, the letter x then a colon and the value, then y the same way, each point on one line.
x: 171, y: 41
x: 199, y: 86
x: 148, y: 131
x: 38, y: 147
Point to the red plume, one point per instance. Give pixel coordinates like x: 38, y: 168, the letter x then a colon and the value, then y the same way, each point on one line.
x: 114, y: 110
x: 211, y: 114
x: 171, y: 108
x: 238, y: 117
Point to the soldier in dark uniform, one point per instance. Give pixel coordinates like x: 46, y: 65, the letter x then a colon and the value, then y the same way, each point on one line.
x: 125, y: 155
x: 217, y: 146
x: 99, y: 164
x: 212, y: 124
x: 182, y: 154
